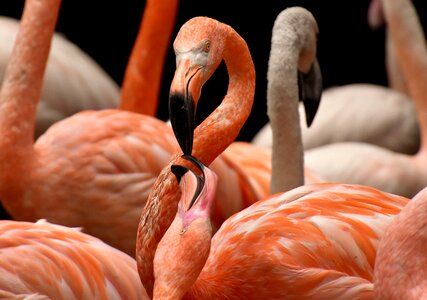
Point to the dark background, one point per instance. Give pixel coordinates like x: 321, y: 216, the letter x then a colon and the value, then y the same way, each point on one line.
x: 348, y: 50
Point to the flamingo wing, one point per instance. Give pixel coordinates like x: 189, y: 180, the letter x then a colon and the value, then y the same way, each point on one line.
x: 315, y: 241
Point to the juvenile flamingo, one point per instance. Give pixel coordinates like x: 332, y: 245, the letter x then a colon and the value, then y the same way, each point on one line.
x: 95, y: 161
x: 400, y: 266
x: 47, y: 261
x: 375, y: 166
x: 73, y: 81
x: 362, y: 112
x: 200, y: 45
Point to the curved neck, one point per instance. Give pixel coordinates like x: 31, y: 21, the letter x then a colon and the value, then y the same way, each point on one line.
x: 211, y: 138
x: 400, y: 266
x: 223, y: 125
x: 409, y: 42
x: 282, y: 109
x: 22, y: 84
x: 142, y: 79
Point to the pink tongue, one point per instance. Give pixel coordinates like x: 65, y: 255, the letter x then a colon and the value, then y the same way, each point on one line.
x: 376, y: 14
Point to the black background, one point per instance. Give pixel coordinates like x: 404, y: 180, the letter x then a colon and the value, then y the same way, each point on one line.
x: 348, y: 50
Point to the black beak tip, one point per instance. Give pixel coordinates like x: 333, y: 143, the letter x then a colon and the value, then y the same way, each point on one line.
x: 178, y: 171
x: 182, y: 117
x: 310, y: 112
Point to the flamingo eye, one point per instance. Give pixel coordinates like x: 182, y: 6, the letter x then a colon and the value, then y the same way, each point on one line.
x: 207, y: 46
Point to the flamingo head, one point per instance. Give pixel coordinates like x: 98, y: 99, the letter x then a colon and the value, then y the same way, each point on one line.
x: 185, y: 247
x: 199, y: 47
x: 376, y: 17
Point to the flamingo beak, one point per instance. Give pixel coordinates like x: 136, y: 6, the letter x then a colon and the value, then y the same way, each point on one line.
x: 179, y: 171
x: 183, y: 97
x: 310, y: 91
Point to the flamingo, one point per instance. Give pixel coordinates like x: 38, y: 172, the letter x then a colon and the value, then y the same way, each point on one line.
x: 314, y: 242
x: 357, y: 111
x: 73, y: 81
x: 47, y: 261
x: 103, y: 161
x: 367, y: 164
x: 201, y: 44
x: 400, y: 263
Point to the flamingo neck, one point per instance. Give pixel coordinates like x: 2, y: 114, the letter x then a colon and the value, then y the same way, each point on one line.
x: 395, y: 77
x: 282, y: 109
x: 21, y: 90
x: 409, y: 41
x: 400, y: 265
x: 223, y: 125
x: 142, y: 79
x: 157, y: 215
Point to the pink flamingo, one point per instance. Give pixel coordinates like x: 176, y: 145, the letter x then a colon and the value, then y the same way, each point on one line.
x: 361, y: 212
x: 314, y: 242
x: 47, y: 261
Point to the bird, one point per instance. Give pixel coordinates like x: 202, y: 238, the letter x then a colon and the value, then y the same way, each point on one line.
x: 316, y: 241
x: 73, y: 80
x: 142, y: 79
x: 47, y: 261
x: 400, y: 264
x: 357, y: 111
x: 104, y: 160
x: 375, y: 166
x: 200, y: 46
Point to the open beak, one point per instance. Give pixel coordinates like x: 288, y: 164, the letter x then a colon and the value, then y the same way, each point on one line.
x: 310, y: 91
x: 183, y: 97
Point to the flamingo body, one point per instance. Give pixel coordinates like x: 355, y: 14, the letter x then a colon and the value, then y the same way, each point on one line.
x: 401, y: 262
x: 47, y: 261
x: 110, y: 168
x: 362, y: 105
x: 314, y: 242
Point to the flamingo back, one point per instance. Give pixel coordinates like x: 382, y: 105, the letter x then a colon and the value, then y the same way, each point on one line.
x: 314, y: 242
